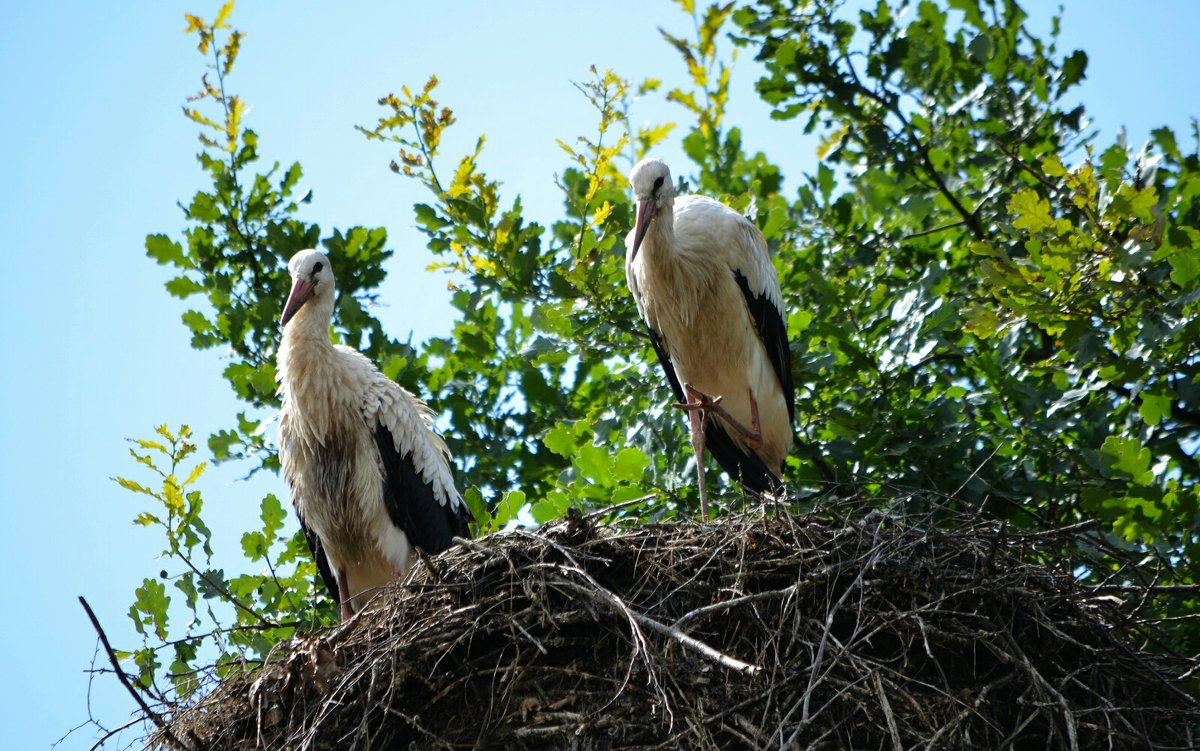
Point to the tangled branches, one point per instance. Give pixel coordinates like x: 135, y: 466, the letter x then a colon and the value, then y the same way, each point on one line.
x: 781, y: 632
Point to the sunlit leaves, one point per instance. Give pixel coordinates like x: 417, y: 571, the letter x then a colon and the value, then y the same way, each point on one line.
x: 507, y: 509
x: 1155, y: 406
x: 1185, y: 268
x: 553, y: 505
x: 595, y: 158
x: 270, y: 601
x: 164, y: 250
x: 597, y: 475
x: 428, y: 120
x: 232, y: 108
x: 1031, y: 212
x: 1073, y: 68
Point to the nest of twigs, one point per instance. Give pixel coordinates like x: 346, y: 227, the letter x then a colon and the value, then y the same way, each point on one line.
x: 788, y: 632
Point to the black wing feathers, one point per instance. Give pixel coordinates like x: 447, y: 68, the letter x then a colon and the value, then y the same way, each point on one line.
x: 772, y: 330
x: 411, y: 502
x: 318, y: 554
x: 747, y: 468
x: 664, y: 359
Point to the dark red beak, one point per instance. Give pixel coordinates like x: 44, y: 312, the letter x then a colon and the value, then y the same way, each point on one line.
x: 302, y: 292
x: 645, y: 215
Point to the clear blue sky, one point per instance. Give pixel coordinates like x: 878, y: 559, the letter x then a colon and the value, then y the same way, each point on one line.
x: 97, y: 154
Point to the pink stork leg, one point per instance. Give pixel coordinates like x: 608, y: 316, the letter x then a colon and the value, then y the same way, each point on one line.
x: 696, y: 419
x: 344, y: 595
x: 699, y: 406
x: 754, y: 425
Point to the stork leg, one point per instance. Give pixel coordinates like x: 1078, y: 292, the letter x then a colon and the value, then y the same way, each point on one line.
x: 344, y: 595
x: 699, y: 406
x: 696, y: 418
x: 754, y: 425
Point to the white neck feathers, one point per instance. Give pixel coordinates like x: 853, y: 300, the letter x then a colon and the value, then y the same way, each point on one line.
x: 677, y: 277
x: 314, y: 381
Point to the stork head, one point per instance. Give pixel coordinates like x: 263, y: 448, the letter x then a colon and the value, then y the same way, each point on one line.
x: 312, y: 278
x: 654, y: 193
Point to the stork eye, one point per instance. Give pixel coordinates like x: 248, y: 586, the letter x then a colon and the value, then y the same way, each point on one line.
x: 317, y: 268
x: 658, y: 183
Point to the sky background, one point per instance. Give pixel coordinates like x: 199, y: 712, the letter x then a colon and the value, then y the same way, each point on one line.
x: 97, y: 155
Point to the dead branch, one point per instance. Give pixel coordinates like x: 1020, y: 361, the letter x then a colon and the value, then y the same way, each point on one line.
x: 155, y: 717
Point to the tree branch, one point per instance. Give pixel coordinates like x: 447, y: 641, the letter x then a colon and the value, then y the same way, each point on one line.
x: 121, y: 676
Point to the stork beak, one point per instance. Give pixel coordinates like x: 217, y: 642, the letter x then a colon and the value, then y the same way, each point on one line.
x: 645, y: 215
x: 302, y: 292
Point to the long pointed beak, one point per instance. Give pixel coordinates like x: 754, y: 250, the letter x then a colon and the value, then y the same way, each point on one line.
x: 645, y: 215
x: 302, y: 292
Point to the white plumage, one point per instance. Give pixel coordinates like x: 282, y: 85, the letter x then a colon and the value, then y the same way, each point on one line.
x: 705, y: 286
x: 369, y: 477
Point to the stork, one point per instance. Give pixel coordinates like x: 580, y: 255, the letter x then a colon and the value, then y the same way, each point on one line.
x: 369, y: 477
x: 705, y: 287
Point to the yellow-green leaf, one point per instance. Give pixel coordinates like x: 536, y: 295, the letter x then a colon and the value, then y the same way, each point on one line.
x: 223, y: 15
x: 1031, y: 210
x: 133, y: 485
x: 195, y: 473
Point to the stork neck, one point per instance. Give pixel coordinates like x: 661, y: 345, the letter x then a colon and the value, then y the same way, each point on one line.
x: 311, y: 322
x: 305, y: 337
x: 659, y: 245
x: 310, y: 376
x: 661, y: 249
x: 677, y: 280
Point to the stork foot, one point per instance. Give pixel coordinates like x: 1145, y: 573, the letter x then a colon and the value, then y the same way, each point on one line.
x: 706, y: 405
x: 402, y: 571
x: 702, y: 401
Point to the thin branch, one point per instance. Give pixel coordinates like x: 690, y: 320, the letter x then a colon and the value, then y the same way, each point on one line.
x: 933, y: 230
x: 235, y: 601
x: 111, y: 733
x: 717, y: 607
x: 618, y: 506
x: 121, y: 676
x: 1161, y: 589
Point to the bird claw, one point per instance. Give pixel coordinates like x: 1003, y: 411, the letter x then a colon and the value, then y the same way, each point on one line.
x: 698, y: 400
x: 693, y: 406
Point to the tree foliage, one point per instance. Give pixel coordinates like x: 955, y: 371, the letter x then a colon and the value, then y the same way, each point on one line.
x: 976, y: 316
x: 984, y: 301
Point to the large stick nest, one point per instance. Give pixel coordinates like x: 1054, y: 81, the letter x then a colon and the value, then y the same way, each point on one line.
x: 804, y: 632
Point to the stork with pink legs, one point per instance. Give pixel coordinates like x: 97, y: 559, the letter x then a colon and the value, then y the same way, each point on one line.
x: 704, y: 284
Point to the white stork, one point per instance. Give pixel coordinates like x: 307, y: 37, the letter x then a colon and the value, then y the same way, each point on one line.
x: 705, y: 286
x: 370, y: 479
